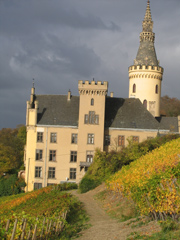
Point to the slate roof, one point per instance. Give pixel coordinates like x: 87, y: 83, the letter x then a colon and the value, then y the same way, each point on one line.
x: 146, y: 54
x: 128, y: 113
x: 169, y: 123
x: 57, y: 110
x: 119, y: 113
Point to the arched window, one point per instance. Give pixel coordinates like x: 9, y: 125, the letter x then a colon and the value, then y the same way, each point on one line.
x: 156, y: 89
x: 145, y: 103
x: 134, y: 88
x: 92, y: 101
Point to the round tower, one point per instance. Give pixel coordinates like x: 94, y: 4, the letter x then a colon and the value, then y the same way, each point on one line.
x: 145, y: 75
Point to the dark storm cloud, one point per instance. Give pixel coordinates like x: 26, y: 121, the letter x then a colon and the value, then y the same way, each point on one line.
x: 59, y: 42
x: 29, y: 17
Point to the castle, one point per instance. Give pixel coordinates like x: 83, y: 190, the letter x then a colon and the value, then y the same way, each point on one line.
x: 63, y: 131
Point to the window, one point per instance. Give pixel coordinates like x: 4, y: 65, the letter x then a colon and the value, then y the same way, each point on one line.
x: 89, y: 156
x: 39, y: 154
x: 92, y: 101
x: 72, y: 174
x: 156, y: 89
x: 134, y: 88
x: 135, y: 139
x: 90, y: 138
x: 52, y: 155
x: 86, y: 119
x: 96, y: 119
x: 51, y: 172
x: 39, y: 136
x: 145, y: 103
x: 91, y: 118
x: 38, y: 172
x: 74, y: 138
x: 73, y: 157
x: 53, y: 138
x: 121, y: 140
x: 37, y: 186
x: 107, y: 140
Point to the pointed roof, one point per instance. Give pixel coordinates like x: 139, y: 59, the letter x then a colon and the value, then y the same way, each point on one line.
x: 148, y: 13
x: 146, y: 54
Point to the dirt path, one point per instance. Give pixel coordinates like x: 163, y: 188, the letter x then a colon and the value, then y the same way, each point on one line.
x: 103, y: 227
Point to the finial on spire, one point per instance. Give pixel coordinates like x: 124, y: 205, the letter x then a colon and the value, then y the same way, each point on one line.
x: 33, y: 82
x: 148, y: 12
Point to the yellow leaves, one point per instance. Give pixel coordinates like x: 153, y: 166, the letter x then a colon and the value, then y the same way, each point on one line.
x: 153, y: 175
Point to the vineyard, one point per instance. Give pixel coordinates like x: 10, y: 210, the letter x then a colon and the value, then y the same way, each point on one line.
x: 37, y: 210
x: 152, y: 182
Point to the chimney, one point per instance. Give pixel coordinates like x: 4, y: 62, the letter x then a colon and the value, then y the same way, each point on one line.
x: 69, y: 95
x: 111, y: 94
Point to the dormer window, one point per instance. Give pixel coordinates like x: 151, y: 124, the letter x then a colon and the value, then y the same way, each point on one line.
x: 92, y: 101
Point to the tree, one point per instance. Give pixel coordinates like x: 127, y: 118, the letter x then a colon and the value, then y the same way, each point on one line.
x: 12, y: 143
x: 170, y: 107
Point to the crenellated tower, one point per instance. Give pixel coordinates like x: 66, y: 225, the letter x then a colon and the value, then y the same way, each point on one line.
x: 145, y: 75
x: 91, y: 122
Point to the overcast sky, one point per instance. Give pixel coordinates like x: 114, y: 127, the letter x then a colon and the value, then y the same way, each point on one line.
x: 58, y: 42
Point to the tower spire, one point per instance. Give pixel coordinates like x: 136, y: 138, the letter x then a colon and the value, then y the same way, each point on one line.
x: 146, y: 54
x: 147, y: 24
x: 145, y: 75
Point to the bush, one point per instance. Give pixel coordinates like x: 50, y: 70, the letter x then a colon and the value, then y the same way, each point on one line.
x: 11, y: 185
x: 87, y: 184
x: 66, y: 186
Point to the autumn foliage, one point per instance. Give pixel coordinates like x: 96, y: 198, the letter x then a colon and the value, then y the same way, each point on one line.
x: 170, y: 107
x: 152, y: 182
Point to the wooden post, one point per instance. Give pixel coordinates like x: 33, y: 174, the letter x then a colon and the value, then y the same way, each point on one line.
x: 14, y: 229
x: 7, y: 225
x: 44, y: 221
x: 23, y: 229
x: 34, y: 234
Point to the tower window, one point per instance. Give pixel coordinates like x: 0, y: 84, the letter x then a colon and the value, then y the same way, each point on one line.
x: 92, y: 101
x: 90, y: 139
x: 156, y: 89
x: 134, y: 88
x: 145, y: 103
x: 89, y: 156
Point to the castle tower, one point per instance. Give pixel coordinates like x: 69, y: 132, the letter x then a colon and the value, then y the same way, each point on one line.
x: 145, y: 75
x: 91, y: 122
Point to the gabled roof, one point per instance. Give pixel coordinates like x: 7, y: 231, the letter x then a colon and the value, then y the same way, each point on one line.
x: 128, y: 113
x: 169, y: 123
x: 57, y: 110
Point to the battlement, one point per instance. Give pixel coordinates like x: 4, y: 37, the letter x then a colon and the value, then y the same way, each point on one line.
x: 87, y: 83
x: 146, y: 68
x: 96, y: 88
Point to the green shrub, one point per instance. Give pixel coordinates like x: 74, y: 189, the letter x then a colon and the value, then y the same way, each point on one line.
x: 87, y: 184
x: 66, y: 186
x: 11, y: 185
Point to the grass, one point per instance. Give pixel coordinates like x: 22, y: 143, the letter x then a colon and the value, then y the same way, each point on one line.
x: 122, y: 210
x: 77, y: 221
